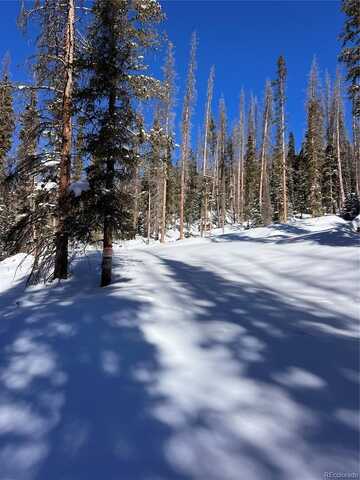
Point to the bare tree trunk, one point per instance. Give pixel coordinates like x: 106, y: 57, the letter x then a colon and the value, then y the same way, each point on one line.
x: 223, y: 197
x: 188, y: 103
x: 283, y: 156
x: 338, y: 154
x: 163, y: 204
x: 149, y: 218
x: 62, y: 237
x: 167, y: 121
x: 232, y: 194
x: 240, y: 169
x: 263, y: 172
x: 283, y: 214
x: 157, y: 204
x: 182, y: 190
x: 136, y: 201
x: 207, y: 121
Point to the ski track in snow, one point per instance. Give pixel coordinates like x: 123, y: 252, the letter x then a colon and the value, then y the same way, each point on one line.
x: 224, y: 358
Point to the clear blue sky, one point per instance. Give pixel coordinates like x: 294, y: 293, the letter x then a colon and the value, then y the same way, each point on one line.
x: 243, y: 39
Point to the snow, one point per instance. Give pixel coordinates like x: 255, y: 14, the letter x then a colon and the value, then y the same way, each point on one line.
x: 356, y: 224
x: 48, y: 186
x: 78, y: 187
x: 234, y: 356
x: 51, y: 163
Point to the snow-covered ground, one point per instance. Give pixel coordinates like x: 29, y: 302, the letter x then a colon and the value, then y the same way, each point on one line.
x: 224, y: 358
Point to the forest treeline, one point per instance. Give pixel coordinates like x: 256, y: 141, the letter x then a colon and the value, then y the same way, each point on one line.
x: 81, y: 163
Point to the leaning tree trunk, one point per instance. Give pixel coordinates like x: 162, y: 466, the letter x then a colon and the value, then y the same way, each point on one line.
x: 62, y: 236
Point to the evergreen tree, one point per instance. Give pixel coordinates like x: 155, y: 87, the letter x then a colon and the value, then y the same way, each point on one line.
x: 279, y: 170
x: 7, y: 119
x: 119, y: 31
x: 27, y: 162
x: 192, y: 210
x: 314, y: 143
x: 301, y: 181
x: 7, y: 125
x: 252, y: 207
x: 350, y: 54
x: 54, y: 72
x: 291, y: 163
x: 351, y: 207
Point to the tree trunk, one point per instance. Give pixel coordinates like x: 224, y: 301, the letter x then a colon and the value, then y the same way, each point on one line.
x: 136, y: 202
x: 62, y: 237
x: 149, y: 218
x: 356, y: 141
x: 106, y: 267
x: 163, y: 205
x: 338, y: 155
x: 283, y: 154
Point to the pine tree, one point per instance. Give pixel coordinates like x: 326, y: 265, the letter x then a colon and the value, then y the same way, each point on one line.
x: 291, y: 162
x: 301, y: 181
x: 314, y: 143
x: 251, y: 167
x: 192, y: 207
x: 356, y: 152
x: 329, y: 180
x: 27, y: 161
x: 350, y: 54
x: 7, y: 125
x: 118, y: 32
x: 54, y: 72
x: 279, y: 171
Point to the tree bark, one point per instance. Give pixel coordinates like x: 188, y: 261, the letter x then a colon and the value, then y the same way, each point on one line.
x: 106, y: 266
x: 62, y: 236
x: 338, y: 154
x: 163, y: 204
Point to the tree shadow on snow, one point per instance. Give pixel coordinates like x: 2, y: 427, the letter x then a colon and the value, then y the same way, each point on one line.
x: 307, y: 377
x: 72, y: 406
x: 260, y: 393
x: 339, y: 236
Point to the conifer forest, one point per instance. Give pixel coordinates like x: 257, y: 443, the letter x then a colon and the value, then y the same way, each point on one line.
x: 179, y: 268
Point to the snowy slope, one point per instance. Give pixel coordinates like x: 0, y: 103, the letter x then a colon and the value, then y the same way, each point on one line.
x: 222, y: 358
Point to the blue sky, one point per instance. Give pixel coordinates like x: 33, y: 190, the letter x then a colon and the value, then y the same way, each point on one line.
x: 243, y: 39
